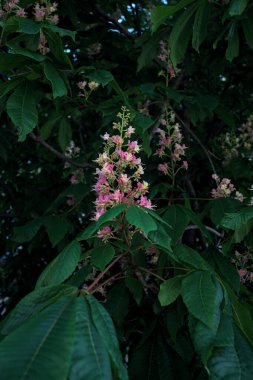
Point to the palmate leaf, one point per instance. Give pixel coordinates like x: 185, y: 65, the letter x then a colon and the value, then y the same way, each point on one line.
x: 90, y: 359
x: 41, y: 348
x: 61, y: 267
x: 21, y: 108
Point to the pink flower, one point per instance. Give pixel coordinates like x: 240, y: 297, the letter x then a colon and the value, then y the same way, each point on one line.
x: 185, y: 165
x: 20, y: 12
x: 70, y: 199
x: 98, y: 213
x: 145, y: 202
x: 130, y: 131
x: 39, y: 12
x: 117, y: 140
x: 107, y: 168
x: 105, y: 233
x: 82, y: 84
x: 117, y: 196
x: 163, y: 168
x: 123, y: 179
x: 106, y: 136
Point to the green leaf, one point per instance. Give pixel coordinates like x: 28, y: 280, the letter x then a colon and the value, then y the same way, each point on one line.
x: 233, y: 43
x: 22, y: 25
x: 178, y: 221
x: 57, y: 227
x: 227, y: 271
x: 237, y: 220
x: 61, y: 267
x: 32, y: 304
x: 105, y: 328
x: 160, y: 14
x: 62, y: 32
x: 90, y: 359
x: 224, y: 364
x: 200, y: 24
x: 219, y: 207
x: 64, y: 134
x: 102, y: 255
x: 190, y: 257
x: 27, y: 53
x: 6, y: 87
x: 41, y: 348
x: 111, y: 214
x: 202, y: 296
x: 138, y: 217
x: 58, y: 85
x: 170, y: 290
x: 248, y: 30
x: 181, y: 34
x: 237, y: 7
x: 161, y: 237
x: 101, y: 76
x: 28, y: 231
x: 135, y: 288
x: 21, y: 108
x: 105, y: 218
x: 245, y: 354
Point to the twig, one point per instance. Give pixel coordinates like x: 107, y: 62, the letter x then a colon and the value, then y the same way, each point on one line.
x: 111, y: 20
x: 96, y: 281
x: 194, y: 227
x: 58, y: 154
x: 152, y: 273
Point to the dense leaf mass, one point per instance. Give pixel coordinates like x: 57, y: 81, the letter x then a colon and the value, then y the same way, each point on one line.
x: 126, y: 147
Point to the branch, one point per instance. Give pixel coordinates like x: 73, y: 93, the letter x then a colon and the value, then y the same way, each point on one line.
x: 58, y: 154
x: 96, y: 281
x: 111, y: 20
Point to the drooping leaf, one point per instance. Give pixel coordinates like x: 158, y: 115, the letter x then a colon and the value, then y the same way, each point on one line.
x: 90, y: 359
x: 41, y: 348
x: 170, y: 290
x: 102, y: 255
x: 200, y: 25
x: 57, y: 227
x: 27, y: 232
x: 61, y: 267
x: 32, y: 304
x: 237, y: 7
x: 105, y: 329
x: 233, y: 43
x: 202, y: 296
x: 161, y: 13
x: 21, y: 108
x: 181, y: 34
x: 64, y: 134
x: 138, y: 217
x: 52, y: 74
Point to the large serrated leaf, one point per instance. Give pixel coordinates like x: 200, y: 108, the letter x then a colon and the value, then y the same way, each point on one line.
x: 61, y: 267
x: 202, y: 296
x: 106, y: 330
x: 181, y: 34
x: 21, y: 108
x: 200, y: 24
x: 138, y: 217
x: 41, y: 348
x: 52, y: 74
x: 90, y: 359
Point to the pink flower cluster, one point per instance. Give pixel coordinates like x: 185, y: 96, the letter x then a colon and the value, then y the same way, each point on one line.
x: 41, y: 12
x: 170, y: 146
x: 225, y: 189
x: 164, y: 56
x: 47, y: 12
x: 119, y: 173
x: 12, y: 7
